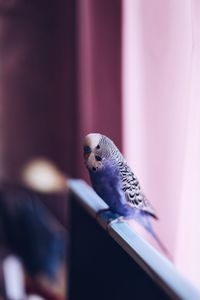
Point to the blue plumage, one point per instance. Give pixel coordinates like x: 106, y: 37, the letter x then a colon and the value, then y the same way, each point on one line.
x: 116, y: 184
x: 106, y: 182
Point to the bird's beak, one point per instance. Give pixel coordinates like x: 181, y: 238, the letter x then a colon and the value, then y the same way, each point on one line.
x: 86, y: 155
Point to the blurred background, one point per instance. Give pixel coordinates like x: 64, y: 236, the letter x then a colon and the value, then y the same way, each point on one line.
x: 127, y: 69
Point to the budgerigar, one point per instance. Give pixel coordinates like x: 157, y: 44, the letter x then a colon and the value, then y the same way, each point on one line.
x: 114, y: 181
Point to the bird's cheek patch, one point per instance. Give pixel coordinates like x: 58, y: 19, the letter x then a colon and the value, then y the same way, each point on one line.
x: 96, y: 164
x: 93, y: 163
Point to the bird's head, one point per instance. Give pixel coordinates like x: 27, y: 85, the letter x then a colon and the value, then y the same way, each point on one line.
x: 99, y: 151
x: 94, y: 151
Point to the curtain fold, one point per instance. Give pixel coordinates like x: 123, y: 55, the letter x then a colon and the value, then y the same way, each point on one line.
x: 188, y: 244
x: 99, y: 71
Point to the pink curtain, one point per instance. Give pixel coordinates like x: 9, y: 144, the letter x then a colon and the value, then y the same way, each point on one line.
x: 161, y: 117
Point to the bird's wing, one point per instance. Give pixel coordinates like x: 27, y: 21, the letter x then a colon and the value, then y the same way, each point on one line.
x: 133, y: 193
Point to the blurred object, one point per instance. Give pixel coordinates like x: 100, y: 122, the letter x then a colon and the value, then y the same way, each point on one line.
x: 14, y: 278
x: 34, y: 297
x: 51, y: 290
x: 31, y: 233
x: 43, y: 176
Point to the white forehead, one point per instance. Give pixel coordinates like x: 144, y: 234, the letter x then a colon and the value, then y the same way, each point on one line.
x: 92, y: 140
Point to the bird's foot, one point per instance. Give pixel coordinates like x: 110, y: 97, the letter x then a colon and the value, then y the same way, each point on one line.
x: 105, y: 216
x: 116, y: 220
x: 107, y: 213
x: 102, y: 211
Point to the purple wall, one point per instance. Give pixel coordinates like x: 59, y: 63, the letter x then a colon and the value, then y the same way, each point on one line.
x: 38, y: 92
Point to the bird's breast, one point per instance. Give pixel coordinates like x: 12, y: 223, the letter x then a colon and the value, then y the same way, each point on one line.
x: 107, y: 184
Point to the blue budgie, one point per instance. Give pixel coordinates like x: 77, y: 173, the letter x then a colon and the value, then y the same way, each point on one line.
x: 114, y: 181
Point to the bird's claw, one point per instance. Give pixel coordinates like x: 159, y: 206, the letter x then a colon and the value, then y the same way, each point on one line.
x: 107, y: 217
x: 116, y: 220
x: 101, y: 211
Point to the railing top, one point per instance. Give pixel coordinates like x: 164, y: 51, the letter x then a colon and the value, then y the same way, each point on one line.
x: 159, y: 268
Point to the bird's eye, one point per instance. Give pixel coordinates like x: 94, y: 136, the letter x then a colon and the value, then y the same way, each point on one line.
x: 98, y: 158
x: 98, y: 147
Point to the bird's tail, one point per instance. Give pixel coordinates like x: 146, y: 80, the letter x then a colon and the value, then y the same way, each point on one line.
x: 144, y: 220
